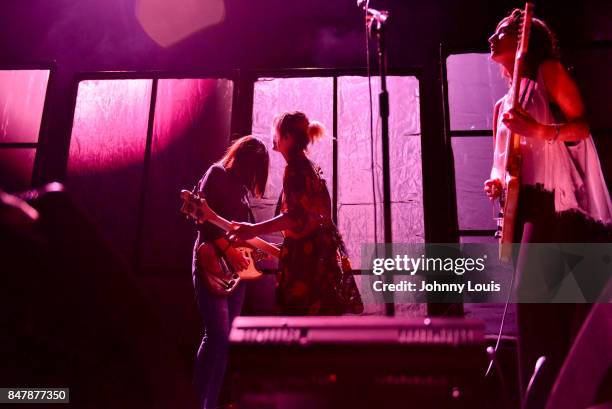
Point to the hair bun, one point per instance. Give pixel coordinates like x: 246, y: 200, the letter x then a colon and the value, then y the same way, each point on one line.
x: 316, y: 131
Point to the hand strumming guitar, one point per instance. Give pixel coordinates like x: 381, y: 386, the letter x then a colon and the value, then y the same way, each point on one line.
x: 493, y: 188
x: 236, y: 259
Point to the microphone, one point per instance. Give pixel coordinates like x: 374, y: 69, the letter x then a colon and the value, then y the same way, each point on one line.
x: 380, y: 16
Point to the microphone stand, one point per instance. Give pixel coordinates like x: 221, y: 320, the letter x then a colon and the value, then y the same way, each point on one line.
x: 376, y: 25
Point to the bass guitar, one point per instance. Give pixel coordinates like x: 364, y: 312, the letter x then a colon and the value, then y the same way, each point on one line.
x: 218, y: 275
x: 508, y: 201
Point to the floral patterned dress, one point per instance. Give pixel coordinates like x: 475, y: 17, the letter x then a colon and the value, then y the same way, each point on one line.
x: 315, y: 276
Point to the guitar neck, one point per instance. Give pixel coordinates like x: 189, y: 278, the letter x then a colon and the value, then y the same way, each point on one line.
x: 256, y: 242
x: 513, y: 143
x: 521, y: 54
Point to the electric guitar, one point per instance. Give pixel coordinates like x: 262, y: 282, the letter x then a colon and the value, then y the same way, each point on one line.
x: 218, y: 275
x: 508, y: 200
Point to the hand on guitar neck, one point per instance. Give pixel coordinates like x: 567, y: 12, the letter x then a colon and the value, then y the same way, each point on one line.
x: 521, y: 122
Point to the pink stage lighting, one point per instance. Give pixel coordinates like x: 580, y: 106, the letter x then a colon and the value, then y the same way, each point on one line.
x: 168, y: 22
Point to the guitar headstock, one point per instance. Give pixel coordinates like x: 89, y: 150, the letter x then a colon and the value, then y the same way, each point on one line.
x: 525, y: 28
x: 195, y: 207
x: 521, y: 52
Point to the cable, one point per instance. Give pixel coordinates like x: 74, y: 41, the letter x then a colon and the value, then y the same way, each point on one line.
x: 371, y: 104
x: 492, y: 352
x: 526, y: 95
x: 501, y: 326
x: 500, y: 375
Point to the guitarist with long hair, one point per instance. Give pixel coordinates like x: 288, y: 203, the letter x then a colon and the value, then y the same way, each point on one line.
x: 226, y: 185
x: 562, y: 196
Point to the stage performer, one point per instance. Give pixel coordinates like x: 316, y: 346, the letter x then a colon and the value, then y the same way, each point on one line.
x: 225, y: 186
x: 315, y: 278
x: 563, y: 197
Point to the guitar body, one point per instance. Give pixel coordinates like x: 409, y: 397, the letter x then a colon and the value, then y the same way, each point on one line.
x: 509, y: 199
x: 217, y: 273
x: 507, y: 222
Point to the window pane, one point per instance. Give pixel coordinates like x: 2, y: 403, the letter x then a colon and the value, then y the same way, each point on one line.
x: 22, y: 98
x: 16, y: 167
x: 356, y: 210
x: 356, y: 223
x: 473, y: 157
x: 475, y: 83
x: 314, y: 97
x: 107, y: 148
x: 408, y: 221
x: 354, y: 158
x: 192, y: 129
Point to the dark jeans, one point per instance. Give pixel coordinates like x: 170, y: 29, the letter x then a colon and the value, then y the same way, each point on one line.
x: 545, y: 329
x: 217, y: 314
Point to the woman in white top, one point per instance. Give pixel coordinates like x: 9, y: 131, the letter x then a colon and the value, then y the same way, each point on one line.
x: 563, y: 196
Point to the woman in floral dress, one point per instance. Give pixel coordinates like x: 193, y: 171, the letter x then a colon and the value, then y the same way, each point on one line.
x: 315, y: 276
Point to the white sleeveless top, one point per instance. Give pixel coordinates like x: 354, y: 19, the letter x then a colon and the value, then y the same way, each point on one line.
x: 572, y: 172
